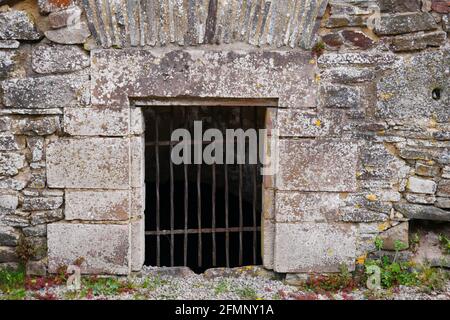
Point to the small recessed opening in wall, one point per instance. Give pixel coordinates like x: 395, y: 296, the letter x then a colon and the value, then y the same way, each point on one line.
x: 436, y: 94
x: 201, y: 215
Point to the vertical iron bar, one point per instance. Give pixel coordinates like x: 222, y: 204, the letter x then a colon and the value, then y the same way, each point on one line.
x: 241, y: 218
x: 172, y: 213
x: 213, y: 192
x: 186, y: 198
x: 199, y: 208
x: 227, y: 234
x: 255, y: 169
x: 158, y: 244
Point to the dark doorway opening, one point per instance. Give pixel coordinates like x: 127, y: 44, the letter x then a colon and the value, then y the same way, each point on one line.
x: 201, y: 215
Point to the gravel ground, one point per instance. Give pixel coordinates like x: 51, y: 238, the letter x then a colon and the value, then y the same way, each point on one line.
x: 251, y: 283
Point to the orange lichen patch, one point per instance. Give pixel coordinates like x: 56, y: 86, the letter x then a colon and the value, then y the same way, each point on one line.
x: 61, y: 3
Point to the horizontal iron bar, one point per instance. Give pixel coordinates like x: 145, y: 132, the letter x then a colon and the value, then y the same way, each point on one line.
x: 203, y: 230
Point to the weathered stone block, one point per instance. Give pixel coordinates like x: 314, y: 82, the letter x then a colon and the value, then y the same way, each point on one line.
x: 399, y: 232
x: 392, y: 24
x: 426, y: 170
x: 97, y: 205
x: 8, y: 254
x: 46, y: 92
x: 405, y: 94
x: 105, y: 248
x: 9, y: 44
x: 314, y: 247
x: 72, y: 34
x: 37, y: 125
x: 137, y: 244
x: 348, y: 74
x: 419, y: 185
x: 298, y: 123
x: 314, y: 165
x: 101, y: 121
x: 334, y: 96
x: 36, y: 146
x: 268, y: 234
x: 41, y: 203
x: 18, y: 182
x: 306, y: 207
x: 88, y: 163
x: 44, y: 217
x: 8, y: 203
x: 11, y: 163
x: 48, y: 6
x: 35, y: 231
x: 399, y: 5
x: 423, y: 212
x: 9, y: 142
x: 444, y: 188
x: 18, y: 25
x: 8, y: 236
x: 137, y: 147
x: 420, y: 198
x: 7, y: 63
x: 138, y: 201
x: 64, y: 18
x: 357, y: 39
x: 417, y: 41
x: 443, y: 203
x: 53, y: 58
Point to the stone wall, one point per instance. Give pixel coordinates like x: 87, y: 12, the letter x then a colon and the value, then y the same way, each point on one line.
x: 363, y: 118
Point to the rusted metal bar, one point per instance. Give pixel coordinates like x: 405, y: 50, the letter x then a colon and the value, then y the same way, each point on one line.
x: 213, y: 212
x: 241, y: 216
x: 186, y: 200
x: 158, y: 240
x: 255, y: 194
x: 203, y: 230
x: 172, y: 211
x: 227, y: 234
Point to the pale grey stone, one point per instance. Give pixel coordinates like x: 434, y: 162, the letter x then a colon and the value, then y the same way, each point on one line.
x: 46, y: 92
x: 137, y: 171
x: 88, y: 163
x: 443, y: 203
x: 424, y: 212
x: 394, y: 234
x: 105, y: 248
x: 9, y: 44
x: 420, y: 198
x: 55, y: 58
x: 9, y: 142
x: 306, y: 207
x: 11, y: 163
x: 97, y: 205
x: 419, y: 185
x: 74, y: 34
x: 314, y: 247
x: 8, y: 202
x: 137, y: 244
x: 97, y: 121
x: 314, y: 165
x: 18, y: 25
x: 37, y: 125
x: 41, y: 203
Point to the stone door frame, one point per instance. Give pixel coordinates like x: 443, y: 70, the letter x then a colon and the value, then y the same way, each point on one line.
x: 111, y: 133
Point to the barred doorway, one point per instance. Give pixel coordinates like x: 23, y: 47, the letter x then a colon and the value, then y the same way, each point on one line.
x: 201, y: 215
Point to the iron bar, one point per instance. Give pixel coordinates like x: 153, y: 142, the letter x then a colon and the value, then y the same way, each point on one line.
x: 203, y: 230
x: 158, y: 240
x: 172, y: 209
